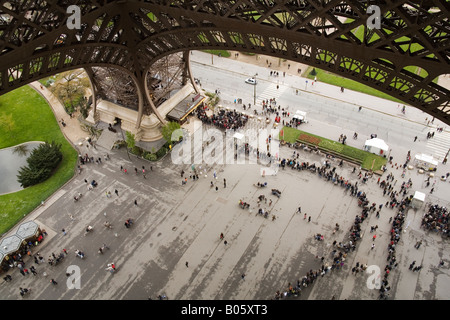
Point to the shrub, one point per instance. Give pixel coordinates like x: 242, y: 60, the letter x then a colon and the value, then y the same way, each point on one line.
x: 161, y: 152
x: 136, y: 150
x: 41, y: 163
x: 151, y: 157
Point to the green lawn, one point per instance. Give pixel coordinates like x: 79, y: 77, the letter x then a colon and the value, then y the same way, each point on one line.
x: 32, y: 120
x: 333, y: 79
x: 291, y: 135
x: 223, y: 53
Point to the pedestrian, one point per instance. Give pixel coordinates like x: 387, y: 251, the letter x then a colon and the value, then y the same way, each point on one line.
x: 243, y: 276
x: 309, y: 219
x: 64, y: 232
x: 225, y: 242
x: 412, y: 265
x: 417, y: 245
x: 374, y: 237
x: 221, y: 236
x: 431, y: 191
x: 116, y: 192
x: 217, y: 188
x: 224, y: 183
x: 187, y: 264
x: 135, y: 203
x: 53, y: 282
x: 415, y: 138
x: 373, y: 246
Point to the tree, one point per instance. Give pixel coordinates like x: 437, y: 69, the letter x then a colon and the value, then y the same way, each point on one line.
x: 171, y: 131
x: 70, y: 88
x: 42, y: 161
x: 130, y: 140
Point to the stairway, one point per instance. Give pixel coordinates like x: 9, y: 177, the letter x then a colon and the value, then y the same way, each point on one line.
x: 108, y: 138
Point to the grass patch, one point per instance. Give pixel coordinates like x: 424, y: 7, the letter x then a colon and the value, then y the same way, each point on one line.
x: 331, y: 78
x: 367, y: 159
x: 222, y: 53
x: 32, y: 120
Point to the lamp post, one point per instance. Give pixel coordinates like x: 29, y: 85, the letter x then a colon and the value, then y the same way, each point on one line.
x: 254, y: 91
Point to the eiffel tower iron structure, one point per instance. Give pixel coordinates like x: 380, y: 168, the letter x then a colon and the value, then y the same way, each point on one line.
x: 135, y: 51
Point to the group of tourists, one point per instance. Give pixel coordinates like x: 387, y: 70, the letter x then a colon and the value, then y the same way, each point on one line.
x: 436, y: 219
x: 223, y: 119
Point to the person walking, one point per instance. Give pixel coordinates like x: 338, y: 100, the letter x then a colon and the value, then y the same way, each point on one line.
x: 224, y: 183
x: 415, y: 138
x: 187, y: 264
x: 243, y: 276
x: 33, y: 270
x: 116, y: 192
x: 374, y: 237
x: 225, y: 242
x: 221, y: 236
x: 64, y: 232
x: 52, y: 281
x: 418, y: 244
x: 309, y: 219
x: 135, y: 203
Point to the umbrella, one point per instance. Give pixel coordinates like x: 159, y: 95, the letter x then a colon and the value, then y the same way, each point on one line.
x: 27, y: 230
x: 10, y: 244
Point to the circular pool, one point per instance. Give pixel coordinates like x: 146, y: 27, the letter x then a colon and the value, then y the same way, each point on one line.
x: 11, y: 160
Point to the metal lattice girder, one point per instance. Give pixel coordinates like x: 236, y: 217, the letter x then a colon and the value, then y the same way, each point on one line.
x: 403, y: 58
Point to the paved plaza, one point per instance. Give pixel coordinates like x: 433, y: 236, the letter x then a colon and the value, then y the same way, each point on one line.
x: 173, y: 247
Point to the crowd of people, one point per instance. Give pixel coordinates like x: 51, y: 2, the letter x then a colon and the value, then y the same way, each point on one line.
x: 224, y: 119
x: 340, y: 250
x: 436, y: 219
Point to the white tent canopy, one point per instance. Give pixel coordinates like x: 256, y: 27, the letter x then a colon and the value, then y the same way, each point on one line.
x: 425, y: 160
x: 301, y: 115
x: 376, y: 145
x: 238, y: 136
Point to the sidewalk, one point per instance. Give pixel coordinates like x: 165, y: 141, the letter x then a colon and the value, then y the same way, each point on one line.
x: 72, y: 130
x: 248, y: 65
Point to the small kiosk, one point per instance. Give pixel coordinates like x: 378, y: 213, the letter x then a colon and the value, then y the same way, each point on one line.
x: 418, y: 200
x: 425, y: 162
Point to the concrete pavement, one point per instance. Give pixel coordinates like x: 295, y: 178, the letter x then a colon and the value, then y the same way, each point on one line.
x: 176, y: 223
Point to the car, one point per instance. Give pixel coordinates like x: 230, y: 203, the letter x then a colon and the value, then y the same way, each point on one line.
x: 250, y: 80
